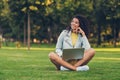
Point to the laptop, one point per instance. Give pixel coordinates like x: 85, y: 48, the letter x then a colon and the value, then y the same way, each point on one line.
x: 74, y: 53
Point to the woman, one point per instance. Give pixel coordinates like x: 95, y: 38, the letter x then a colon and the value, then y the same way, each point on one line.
x: 73, y: 37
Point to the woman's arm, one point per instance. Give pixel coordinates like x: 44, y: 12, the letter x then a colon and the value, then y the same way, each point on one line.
x: 59, y: 44
x: 86, y: 43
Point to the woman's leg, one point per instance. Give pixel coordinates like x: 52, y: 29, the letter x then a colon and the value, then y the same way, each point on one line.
x: 58, y: 61
x: 88, y: 55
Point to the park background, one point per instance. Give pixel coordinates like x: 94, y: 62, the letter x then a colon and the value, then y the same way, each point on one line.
x: 29, y: 30
x: 26, y: 22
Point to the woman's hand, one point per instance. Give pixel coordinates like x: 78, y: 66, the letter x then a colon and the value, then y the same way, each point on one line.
x: 79, y: 30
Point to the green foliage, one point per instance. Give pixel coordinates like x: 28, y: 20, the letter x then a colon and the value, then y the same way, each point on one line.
x: 55, y: 15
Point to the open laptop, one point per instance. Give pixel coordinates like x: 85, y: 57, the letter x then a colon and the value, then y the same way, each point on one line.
x: 74, y: 53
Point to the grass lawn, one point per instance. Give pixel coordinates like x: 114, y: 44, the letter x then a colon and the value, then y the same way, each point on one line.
x: 20, y: 64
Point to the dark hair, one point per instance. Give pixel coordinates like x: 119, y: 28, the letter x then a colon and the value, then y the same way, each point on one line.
x: 83, y: 24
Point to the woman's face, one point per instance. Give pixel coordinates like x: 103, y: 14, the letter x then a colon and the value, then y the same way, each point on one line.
x: 75, y: 24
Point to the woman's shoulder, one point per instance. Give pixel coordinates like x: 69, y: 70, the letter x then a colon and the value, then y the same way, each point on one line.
x: 64, y: 31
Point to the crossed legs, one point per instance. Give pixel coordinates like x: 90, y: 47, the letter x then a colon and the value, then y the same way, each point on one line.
x: 58, y: 61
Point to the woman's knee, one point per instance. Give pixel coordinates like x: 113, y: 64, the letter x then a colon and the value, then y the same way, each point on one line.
x: 92, y: 51
x: 52, y: 55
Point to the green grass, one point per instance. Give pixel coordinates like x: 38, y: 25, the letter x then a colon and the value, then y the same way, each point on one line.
x: 20, y: 64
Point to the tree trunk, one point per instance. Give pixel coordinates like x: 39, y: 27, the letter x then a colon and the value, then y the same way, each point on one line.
x: 99, y: 36
x: 114, y: 32
x: 24, y: 33
x: 28, y: 31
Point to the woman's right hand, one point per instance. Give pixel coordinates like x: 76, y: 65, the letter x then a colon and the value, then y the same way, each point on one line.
x: 79, y: 30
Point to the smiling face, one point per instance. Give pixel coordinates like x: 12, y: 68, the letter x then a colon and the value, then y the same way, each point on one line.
x: 75, y: 24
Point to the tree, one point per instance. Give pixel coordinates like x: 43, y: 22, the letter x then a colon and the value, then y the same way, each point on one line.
x: 112, y: 11
x: 107, y: 12
x: 28, y: 8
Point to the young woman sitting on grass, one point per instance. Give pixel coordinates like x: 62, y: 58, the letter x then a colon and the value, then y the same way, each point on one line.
x: 73, y: 37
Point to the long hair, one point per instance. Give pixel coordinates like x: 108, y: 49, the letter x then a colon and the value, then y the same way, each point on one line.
x: 84, y: 24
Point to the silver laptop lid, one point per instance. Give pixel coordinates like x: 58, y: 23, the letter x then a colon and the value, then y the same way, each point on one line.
x: 74, y: 53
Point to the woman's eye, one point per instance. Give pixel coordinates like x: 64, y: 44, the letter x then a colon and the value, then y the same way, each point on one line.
x: 76, y: 23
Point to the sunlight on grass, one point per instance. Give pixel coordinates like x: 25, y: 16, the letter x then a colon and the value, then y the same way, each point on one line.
x: 24, y: 48
x: 106, y: 58
x: 96, y: 49
x: 107, y: 49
